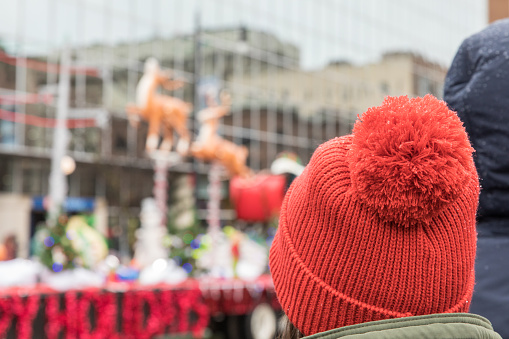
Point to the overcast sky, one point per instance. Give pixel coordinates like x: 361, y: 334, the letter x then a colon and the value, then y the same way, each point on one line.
x: 355, y: 30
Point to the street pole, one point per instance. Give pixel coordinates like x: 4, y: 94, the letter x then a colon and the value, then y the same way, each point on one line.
x: 57, y: 179
x: 197, y: 65
x: 196, y: 96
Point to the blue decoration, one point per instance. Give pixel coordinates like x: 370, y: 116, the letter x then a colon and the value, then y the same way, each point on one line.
x: 188, y: 267
x: 49, y: 241
x: 269, y: 240
x: 127, y: 274
x: 57, y: 267
x: 195, y: 244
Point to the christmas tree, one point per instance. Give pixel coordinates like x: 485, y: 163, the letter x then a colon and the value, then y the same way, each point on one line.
x: 58, y: 252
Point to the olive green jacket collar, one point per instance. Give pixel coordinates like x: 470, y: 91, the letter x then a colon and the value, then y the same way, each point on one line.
x: 452, y: 326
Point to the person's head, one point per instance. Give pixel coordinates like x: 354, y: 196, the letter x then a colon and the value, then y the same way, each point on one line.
x: 381, y: 223
x: 9, y: 248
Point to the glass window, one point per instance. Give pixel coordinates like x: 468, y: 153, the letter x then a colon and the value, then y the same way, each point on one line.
x: 6, y: 174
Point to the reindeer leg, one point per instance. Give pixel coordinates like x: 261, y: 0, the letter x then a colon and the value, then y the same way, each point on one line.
x: 167, y: 140
x: 153, y: 134
x: 184, y: 140
x: 241, y: 156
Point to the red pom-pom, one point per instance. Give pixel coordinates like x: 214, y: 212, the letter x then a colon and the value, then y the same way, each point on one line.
x: 409, y: 158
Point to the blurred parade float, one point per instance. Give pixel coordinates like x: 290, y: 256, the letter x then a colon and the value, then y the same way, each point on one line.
x: 183, y: 273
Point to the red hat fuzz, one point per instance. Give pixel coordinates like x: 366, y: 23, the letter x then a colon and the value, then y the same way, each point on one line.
x: 381, y: 223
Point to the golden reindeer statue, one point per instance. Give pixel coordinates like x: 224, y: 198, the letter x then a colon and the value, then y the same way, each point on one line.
x: 161, y: 111
x: 209, y: 146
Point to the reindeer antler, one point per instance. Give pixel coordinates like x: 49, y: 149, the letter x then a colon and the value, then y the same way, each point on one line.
x: 210, y: 99
x: 226, y: 99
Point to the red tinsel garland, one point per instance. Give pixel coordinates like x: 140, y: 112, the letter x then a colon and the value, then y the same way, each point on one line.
x: 144, y: 313
x: 133, y: 319
x: 106, y: 311
x: 168, y: 312
x: 5, y: 316
x: 190, y: 302
x: 167, y: 309
x: 25, y: 310
x: 57, y: 320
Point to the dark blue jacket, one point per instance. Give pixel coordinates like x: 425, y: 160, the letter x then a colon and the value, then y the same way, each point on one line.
x: 477, y: 88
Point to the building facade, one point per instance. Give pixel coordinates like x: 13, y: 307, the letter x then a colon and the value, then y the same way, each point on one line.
x: 278, y: 104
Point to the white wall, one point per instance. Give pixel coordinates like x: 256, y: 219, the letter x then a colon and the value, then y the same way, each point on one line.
x: 15, y: 219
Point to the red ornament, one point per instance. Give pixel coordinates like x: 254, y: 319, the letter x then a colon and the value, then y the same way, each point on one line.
x: 257, y: 198
x: 236, y: 249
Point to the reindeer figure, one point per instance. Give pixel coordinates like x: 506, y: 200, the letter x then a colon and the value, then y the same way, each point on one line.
x: 209, y: 146
x: 160, y: 110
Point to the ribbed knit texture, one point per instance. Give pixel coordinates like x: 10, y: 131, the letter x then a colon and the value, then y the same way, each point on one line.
x: 337, y: 260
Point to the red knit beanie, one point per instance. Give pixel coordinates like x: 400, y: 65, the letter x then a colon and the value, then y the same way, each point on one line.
x: 381, y: 223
